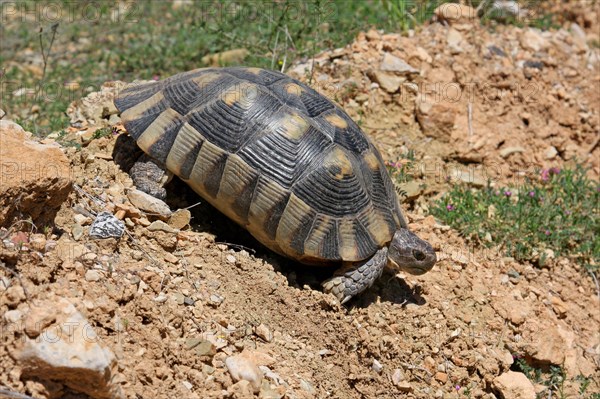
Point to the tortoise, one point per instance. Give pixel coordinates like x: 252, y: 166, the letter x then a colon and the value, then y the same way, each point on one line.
x: 280, y: 160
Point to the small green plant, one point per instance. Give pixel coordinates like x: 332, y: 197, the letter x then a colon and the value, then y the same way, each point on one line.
x: 104, y: 132
x: 584, y: 382
x: 555, y: 213
x: 408, y: 14
x: 553, y: 378
x: 401, y: 171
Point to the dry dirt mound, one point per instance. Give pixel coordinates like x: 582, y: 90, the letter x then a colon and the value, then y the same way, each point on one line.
x: 197, y: 309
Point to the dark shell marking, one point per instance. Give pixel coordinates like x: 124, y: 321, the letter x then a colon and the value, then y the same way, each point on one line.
x: 273, y: 155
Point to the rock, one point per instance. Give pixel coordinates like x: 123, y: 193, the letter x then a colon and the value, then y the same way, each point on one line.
x: 37, y: 174
x: 376, y: 366
x: 2, y: 113
x: 96, y: 108
x: 412, y: 189
x: 513, y: 385
x: 243, y: 367
x: 13, y: 316
x: 263, y: 332
x: 372, y: 35
x: 106, y: 225
x: 77, y: 232
x: 550, y: 153
x: 234, y: 56
x: 148, y: 203
x: 231, y: 259
x: 93, y: 275
x: 548, y: 345
x: 180, y: 218
x: 507, y: 151
x: 441, y: 377
x: 454, y: 13
x: 454, y: 39
x: 159, y: 225
x: 436, y: 118
x: 397, y: 376
x: 387, y: 81
x: 81, y: 220
x: 404, y: 386
x: 74, y: 356
x: 391, y: 63
x: 532, y: 40
x: 169, y: 257
x: 38, y: 242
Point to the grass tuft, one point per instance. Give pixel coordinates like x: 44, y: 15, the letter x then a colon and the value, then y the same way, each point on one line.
x: 555, y: 213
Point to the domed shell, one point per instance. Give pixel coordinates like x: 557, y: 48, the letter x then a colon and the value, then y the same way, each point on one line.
x: 272, y: 154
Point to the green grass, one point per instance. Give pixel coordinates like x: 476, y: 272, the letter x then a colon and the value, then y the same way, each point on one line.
x: 95, y: 42
x: 556, y: 211
x: 150, y: 39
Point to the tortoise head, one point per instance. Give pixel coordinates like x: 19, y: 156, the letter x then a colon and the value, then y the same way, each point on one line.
x: 411, y: 254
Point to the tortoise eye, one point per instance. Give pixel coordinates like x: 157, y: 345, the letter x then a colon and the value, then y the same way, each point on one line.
x: 418, y: 255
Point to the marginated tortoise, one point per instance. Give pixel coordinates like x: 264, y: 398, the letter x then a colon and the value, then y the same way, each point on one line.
x: 282, y: 161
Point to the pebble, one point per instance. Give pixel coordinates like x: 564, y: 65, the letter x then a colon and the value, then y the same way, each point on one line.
x: 148, y: 203
x: 397, y: 376
x: 216, y: 299
x: 505, y: 152
x: 550, y: 153
x: 404, y: 386
x: 77, y: 232
x: 180, y: 218
x: 169, y: 257
x: 106, y: 225
x: 92, y: 275
x: 387, y: 81
x: 441, y: 377
x: 532, y: 40
x: 159, y: 225
x: 231, y: 259
x: 391, y: 63
x: 13, y: 316
x: 376, y: 366
x: 37, y: 242
x: 244, y: 368
x: 263, y: 332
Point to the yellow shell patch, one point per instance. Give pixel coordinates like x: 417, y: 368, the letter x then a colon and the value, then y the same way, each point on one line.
x: 293, y: 126
x: 336, y: 121
x: 338, y: 158
x: 293, y: 88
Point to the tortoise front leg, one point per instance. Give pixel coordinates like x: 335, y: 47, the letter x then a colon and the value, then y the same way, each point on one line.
x: 354, y: 278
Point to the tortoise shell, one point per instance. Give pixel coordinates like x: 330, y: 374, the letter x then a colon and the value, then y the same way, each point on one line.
x: 273, y: 155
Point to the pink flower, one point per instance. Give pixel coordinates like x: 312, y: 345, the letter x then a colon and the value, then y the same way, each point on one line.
x: 545, y: 174
x: 507, y: 193
x: 547, y: 232
x: 450, y: 207
x: 532, y: 194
